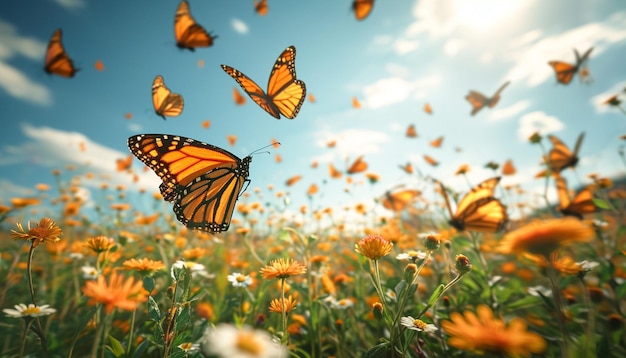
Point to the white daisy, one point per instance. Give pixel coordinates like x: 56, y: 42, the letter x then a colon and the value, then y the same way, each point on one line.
x: 417, y: 324
x: 21, y: 310
x: 90, y: 272
x: 239, y: 280
x: 228, y: 341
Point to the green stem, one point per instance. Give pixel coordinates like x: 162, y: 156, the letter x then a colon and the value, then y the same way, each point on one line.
x: 130, y: 332
x: 284, y: 311
x: 28, y: 322
x: 558, y: 300
x: 590, y: 345
x: 38, y: 329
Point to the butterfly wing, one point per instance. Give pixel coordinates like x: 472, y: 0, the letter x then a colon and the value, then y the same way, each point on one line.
x: 493, y: 101
x: 362, y: 8
x: 358, y: 166
x: 165, y: 102
x: 564, y: 71
x: 286, y: 92
x: 253, y: 90
x: 580, y: 205
x: 207, y: 203
x: 57, y: 61
x: 483, y: 215
x: 178, y: 160
x: 477, y: 100
x: 436, y: 143
x: 560, y: 157
x: 188, y: 33
x: 479, y: 192
x: 411, y: 132
x: 399, y: 200
x: 580, y: 60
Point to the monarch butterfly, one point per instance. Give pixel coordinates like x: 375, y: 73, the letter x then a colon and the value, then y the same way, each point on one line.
x: 356, y: 103
x: 260, y: 7
x: 333, y: 172
x: 164, y: 101
x: 57, y: 60
x: 565, y: 72
x: 398, y: 200
x: 408, y: 168
x: 581, y: 204
x: 203, y: 181
x: 508, y: 168
x: 358, y: 166
x: 124, y: 164
x: 478, y: 210
x: 430, y: 160
x: 428, y: 109
x: 479, y: 100
x: 285, y: 94
x: 362, y: 8
x: 294, y: 179
x: 188, y: 33
x: 411, y: 132
x: 238, y: 98
x: 437, y: 142
x: 560, y: 157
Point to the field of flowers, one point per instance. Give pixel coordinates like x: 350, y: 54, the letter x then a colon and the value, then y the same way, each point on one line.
x: 138, y: 284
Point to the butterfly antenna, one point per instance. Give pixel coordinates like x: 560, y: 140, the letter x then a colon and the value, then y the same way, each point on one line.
x: 260, y: 150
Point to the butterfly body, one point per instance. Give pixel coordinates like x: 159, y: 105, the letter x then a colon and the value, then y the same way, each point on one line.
x: 560, y: 157
x: 57, y: 60
x: 565, y: 72
x: 203, y: 181
x: 478, y: 210
x: 479, y: 100
x: 581, y: 204
x: 188, y: 33
x: 164, y: 101
x: 285, y: 94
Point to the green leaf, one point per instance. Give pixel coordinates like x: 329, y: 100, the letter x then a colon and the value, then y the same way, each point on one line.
x: 601, y: 203
x: 381, y: 350
x: 526, y: 302
x: 116, y: 347
x: 141, y: 349
x: 148, y: 283
x: 436, y: 294
x: 400, y: 287
x: 153, y: 309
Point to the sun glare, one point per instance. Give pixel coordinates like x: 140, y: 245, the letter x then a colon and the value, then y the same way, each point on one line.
x: 482, y: 15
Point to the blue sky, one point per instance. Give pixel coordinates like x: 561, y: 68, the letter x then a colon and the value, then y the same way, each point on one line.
x: 405, y: 54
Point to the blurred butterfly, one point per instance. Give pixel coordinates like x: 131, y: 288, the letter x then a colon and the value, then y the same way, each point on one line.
x: 294, y: 179
x: 311, y: 98
x: 565, y: 72
x: 285, y: 94
x: 331, y: 143
x: 99, y: 65
x: 428, y: 109
x: 479, y: 100
x: 188, y: 33
x: 355, y: 103
x: 362, y: 8
x: 164, y: 101
x: 313, y: 189
x: 57, y: 60
x: 202, y: 180
x: 124, y: 164
x: 408, y: 168
x: 508, y: 168
x: 238, y: 98
x: 232, y: 139
x: 333, y: 172
x: 358, y: 166
x: 398, y: 200
x: 411, y: 132
x: 206, y: 124
x: 260, y: 7
x: 478, y: 210
x: 430, y: 160
x: 278, y: 158
x: 560, y: 157
x: 437, y: 142
x: 581, y: 204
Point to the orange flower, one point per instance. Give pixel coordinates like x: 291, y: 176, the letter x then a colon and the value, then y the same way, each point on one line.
x: 143, y: 266
x: 118, y: 293
x: 373, y: 247
x: 23, y: 202
x: 544, y: 237
x: 45, y: 231
x: 287, y: 305
x: 485, y: 333
x: 99, y: 243
x: 282, y: 269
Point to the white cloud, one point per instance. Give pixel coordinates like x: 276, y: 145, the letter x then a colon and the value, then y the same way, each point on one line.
x: 239, y: 26
x: 510, y: 111
x: 538, y: 122
x: 391, y: 90
x: 404, y: 46
x: 452, y: 47
x: 598, y: 101
x: 71, y: 4
x: 12, y: 80
x: 530, y: 53
x: 10, y: 190
x: 350, y: 142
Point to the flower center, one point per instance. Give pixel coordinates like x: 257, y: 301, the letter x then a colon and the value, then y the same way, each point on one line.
x: 418, y: 323
x: 31, y: 311
x: 247, y: 342
x: 240, y: 278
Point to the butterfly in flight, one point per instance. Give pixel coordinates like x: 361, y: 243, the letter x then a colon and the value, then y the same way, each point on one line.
x: 565, y: 71
x: 581, y: 204
x: 478, y: 210
x: 285, y: 94
x: 560, y: 157
x: 164, y: 101
x: 398, y: 200
x: 57, y: 60
x: 261, y: 7
x: 203, y: 181
x: 358, y: 166
x: 188, y: 33
x: 362, y: 8
x: 479, y: 100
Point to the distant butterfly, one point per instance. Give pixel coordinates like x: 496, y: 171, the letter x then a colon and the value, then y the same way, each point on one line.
x: 478, y: 210
x: 479, y: 100
x: 202, y: 180
x: 408, y: 168
x: 124, y: 164
x: 362, y: 8
x: 333, y: 172
x: 428, y: 109
x: 581, y: 204
x: 188, y: 33
x: 232, y: 139
x: 398, y: 200
x: 508, y: 168
x: 99, y: 65
x: 260, y: 7
x: 285, y: 94
x: 238, y: 98
x: 411, y: 132
x: 355, y: 103
x: 294, y: 179
x: 436, y: 143
x: 358, y: 166
x: 565, y: 72
x: 311, y: 98
x: 164, y: 101
x: 57, y: 60
x: 560, y: 157
x: 430, y: 160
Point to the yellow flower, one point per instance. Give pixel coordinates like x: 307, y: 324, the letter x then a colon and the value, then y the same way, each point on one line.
x: 373, y: 247
x: 282, y: 268
x: 45, y: 231
x: 99, y: 243
x: 544, y: 237
x: 485, y: 333
x: 143, y: 266
x: 118, y: 293
x: 287, y: 305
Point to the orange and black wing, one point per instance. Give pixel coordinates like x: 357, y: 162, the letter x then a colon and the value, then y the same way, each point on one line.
x: 358, y: 166
x: 165, y: 102
x: 188, y: 33
x: 493, y: 101
x: 560, y: 157
x: 207, y: 203
x: 400, y: 199
x: 362, y: 8
x: 564, y: 71
x: 177, y: 160
x: 581, y: 204
x: 285, y: 94
x: 477, y: 100
x: 57, y: 60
